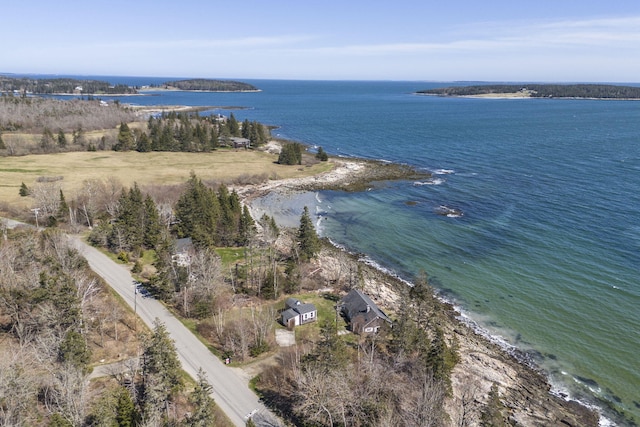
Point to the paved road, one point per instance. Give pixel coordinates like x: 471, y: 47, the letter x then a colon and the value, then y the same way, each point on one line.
x: 230, y: 391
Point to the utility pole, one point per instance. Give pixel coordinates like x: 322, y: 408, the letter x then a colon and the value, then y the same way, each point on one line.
x: 36, y: 211
x: 135, y: 307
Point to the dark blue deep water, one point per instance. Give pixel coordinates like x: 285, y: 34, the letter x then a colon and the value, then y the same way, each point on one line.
x: 547, y: 252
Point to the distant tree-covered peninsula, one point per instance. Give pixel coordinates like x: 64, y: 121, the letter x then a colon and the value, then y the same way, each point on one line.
x: 45, y: 86
x: 586, y: 91
x: 210, y: 85
x: 71, y: 86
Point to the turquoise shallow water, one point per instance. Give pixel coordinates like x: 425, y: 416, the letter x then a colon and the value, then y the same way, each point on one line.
x: 547, y: 251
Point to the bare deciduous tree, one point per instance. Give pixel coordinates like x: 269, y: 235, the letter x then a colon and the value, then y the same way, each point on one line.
x: 18, y: 387
x: 67, y: 393
x: 468, y: 401
x: 46, y: 198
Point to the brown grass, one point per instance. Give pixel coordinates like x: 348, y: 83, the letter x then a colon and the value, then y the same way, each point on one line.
x: 159, y: 168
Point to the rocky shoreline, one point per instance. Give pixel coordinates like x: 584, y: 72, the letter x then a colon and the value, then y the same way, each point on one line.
x: 524, y: 389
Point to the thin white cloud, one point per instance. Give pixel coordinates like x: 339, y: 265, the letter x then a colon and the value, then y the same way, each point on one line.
x: 617, y: 33
x: 236, y: 43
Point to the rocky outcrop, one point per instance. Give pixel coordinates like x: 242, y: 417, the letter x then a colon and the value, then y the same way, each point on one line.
x: 523, y: 389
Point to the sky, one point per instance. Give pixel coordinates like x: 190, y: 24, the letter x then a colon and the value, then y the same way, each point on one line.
x: 443, y: 40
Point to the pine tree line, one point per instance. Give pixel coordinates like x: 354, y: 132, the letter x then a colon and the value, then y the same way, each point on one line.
x: 212, y: 218
x: 291, y: 154
x: 189, y: 133
x: 62, y: 85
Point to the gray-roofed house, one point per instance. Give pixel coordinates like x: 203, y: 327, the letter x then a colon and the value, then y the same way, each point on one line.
x: 183, y: 252
x: 239, y: 142
x: 362, y: 314
x: 297, y: 313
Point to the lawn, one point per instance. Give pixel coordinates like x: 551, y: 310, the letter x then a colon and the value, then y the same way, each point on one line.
x: 143, y: 168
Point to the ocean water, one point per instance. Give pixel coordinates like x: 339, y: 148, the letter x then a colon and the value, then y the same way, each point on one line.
x: 543, y: 248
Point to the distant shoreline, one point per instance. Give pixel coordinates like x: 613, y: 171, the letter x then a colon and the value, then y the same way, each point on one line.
x: 175, y: 89
x: 545, y: 91
x: 515, y: 95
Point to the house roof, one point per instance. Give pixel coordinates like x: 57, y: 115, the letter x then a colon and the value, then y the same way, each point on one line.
x: 298, y: 306
x: 288, y: 315
x: 291, y: 302
x: 305, y: 308
x: 183, y: 245
x: 357, y: 303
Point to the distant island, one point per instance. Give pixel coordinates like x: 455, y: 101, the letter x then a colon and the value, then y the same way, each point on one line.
x: 209, y: 85
x: 571, y: 91
x: 66, y: 86
x: 70, y: 86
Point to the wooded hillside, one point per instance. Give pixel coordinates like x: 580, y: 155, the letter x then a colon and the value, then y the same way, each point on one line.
x: 61, y: 85
x: 211, y: 85
x: 36, y: 114
x: 597, y: 91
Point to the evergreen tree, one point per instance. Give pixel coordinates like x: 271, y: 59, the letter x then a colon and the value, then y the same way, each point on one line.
x: 24, y: 190
x: 331, y: 352
x: 493, y: 414
x: 322, y: 155
x: 74, y: 350
x: 128, y: 228
x: 233, y: 126
x: 203, y: 406
x: 227, y: 227
x: 214, y: 139
x: 162, y: 284
x: 160, y: 371
x: 441, y: 358
x: 62, y: 140
x: 185, y: 136
x: 126, y: 413
x: 423, y: 301
x: 225, y: 136
x: 247, y: 227
x: 46, y: 142
x: 246, y: 129
x: 308, y: 241
x: 125, y: 138
x: 261, y: 133
x: 152, y: 227
x: 200, y: 133
x: 166, y: 139
x: 291, y: 154
x: 63, y: 209
x: 144, y: 143
x: 2, y: 144
x: 197, y: 213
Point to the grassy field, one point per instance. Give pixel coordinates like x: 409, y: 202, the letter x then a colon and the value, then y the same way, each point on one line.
x: 144, y: 168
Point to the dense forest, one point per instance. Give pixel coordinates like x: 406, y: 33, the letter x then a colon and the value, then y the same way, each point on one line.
x: 210, y: 85
x: 32, y: 85
x: 187, y: 132
x: 590, y: 91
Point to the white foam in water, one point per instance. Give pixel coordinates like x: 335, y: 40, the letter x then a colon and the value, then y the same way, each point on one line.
x: 444, y: 171
x: 556, y: 389
x: 435, y: 181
